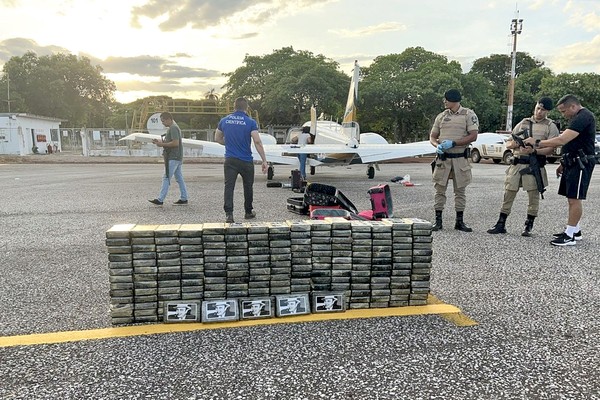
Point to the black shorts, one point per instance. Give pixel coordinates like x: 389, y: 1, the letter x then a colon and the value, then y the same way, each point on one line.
x: 574, y: 182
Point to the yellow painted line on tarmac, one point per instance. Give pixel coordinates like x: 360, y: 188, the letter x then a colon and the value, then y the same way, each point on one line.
x: 434, y: 308
x: 458, y: 318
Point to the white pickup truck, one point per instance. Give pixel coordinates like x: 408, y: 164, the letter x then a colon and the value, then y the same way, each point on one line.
x: 493, y: 145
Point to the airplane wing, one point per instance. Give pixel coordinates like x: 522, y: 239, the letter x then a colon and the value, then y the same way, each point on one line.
x: 373, y: 153
x: 212, y: 149
x: 140, y: 137
x: 362, y: 154
x: 206, y: 148
x: 320, y: 154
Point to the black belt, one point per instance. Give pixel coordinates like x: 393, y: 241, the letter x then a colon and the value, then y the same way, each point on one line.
x: 574, y: 156
x: 464, y: 154
x: 570, y: 161
x: 453, y: 155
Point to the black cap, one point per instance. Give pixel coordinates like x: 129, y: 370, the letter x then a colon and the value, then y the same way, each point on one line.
x: 546, y: 102
x: 306, y: 129
x: 452, y: 95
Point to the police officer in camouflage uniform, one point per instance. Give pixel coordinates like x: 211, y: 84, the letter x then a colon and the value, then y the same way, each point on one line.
x: 539, y: 127
x: 452, y: 131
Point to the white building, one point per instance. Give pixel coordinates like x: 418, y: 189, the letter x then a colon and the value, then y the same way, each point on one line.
x: 20, y: 133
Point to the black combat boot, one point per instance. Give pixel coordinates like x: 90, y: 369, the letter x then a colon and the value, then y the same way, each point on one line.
x: 499, y: 227
x: 438, y: 221
x: 460, y: 225
x: 528, y: 225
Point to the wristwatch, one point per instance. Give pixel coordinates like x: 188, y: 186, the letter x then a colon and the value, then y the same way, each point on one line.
x: 537, y: 143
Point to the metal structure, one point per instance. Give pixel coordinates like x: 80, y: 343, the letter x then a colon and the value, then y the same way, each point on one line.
x: 181, y: 107
x: 516, y: 27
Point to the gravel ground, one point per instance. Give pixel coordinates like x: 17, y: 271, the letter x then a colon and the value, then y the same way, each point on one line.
x: 537, y: 306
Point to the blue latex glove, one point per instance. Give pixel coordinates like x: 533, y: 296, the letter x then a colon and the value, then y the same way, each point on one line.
x: 439, y: 149
x: 447, y: 144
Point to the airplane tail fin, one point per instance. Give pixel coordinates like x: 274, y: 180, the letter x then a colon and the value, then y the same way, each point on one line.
x: 349, y: 124
x: 350, y: 113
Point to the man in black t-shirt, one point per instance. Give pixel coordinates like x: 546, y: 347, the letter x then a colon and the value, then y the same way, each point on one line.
x: 577, y: 164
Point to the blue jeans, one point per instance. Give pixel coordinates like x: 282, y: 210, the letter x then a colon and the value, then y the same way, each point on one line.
x: 174, y: 169
x: 302, y: 158
x: 233, y: 167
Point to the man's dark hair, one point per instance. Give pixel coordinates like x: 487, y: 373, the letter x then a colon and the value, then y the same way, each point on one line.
x: 569, y: 100
x: 241, y: 104
x: 166, y: 115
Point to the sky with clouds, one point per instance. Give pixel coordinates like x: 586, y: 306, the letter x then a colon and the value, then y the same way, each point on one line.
x: 181, y: 49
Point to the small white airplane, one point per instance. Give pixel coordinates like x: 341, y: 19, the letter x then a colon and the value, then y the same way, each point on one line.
x: 334, y: 144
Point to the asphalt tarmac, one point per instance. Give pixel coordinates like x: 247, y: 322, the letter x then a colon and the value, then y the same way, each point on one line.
x: 538, y: 332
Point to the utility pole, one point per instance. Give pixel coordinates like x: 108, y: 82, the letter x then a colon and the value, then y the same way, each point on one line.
x: 8, y: 90
x: 516, y: 27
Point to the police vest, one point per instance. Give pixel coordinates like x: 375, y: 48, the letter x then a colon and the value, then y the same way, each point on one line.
x: 456, y: 125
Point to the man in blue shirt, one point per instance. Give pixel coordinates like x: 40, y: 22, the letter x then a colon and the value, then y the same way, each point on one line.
x: 235, y: 131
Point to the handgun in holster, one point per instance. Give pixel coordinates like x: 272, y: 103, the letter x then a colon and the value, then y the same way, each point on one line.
x: 581, y: 159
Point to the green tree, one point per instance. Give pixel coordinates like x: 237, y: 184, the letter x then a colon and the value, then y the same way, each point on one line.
x: 210, y: 102
x: 528, y: 91
x: 18, y: 81
x: 585, y: 86
x: 478, y: 94
x: 402, y: 93
x: 211, y: 95
x: 120, y: 116
x: 282, y: 86
x: 62, y: 86
x: 496, y: 68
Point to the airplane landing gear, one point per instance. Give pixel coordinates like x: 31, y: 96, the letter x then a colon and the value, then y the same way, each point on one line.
x: 270, y: 172
x: 312, y: 170
x: 370, y: 172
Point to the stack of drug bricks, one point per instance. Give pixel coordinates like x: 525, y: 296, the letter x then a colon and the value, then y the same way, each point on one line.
x: 374, y: 264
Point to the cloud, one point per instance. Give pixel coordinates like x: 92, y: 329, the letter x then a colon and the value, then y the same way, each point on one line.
x: 582, y: 15
x: 153, y: 66
x: 132, y: 89
x: 240, y: 36
x: 590, y: 21
x: 199, y: 14
x: 370, y: 30
x: 578, y: 56
x: 151, y: 74
x: 203, y: 14
x: 139, y: 65
x: 16, y: 47
x: 537, y: 5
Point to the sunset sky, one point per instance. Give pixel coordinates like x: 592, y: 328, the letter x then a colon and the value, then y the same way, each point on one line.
x: 181, y: 49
